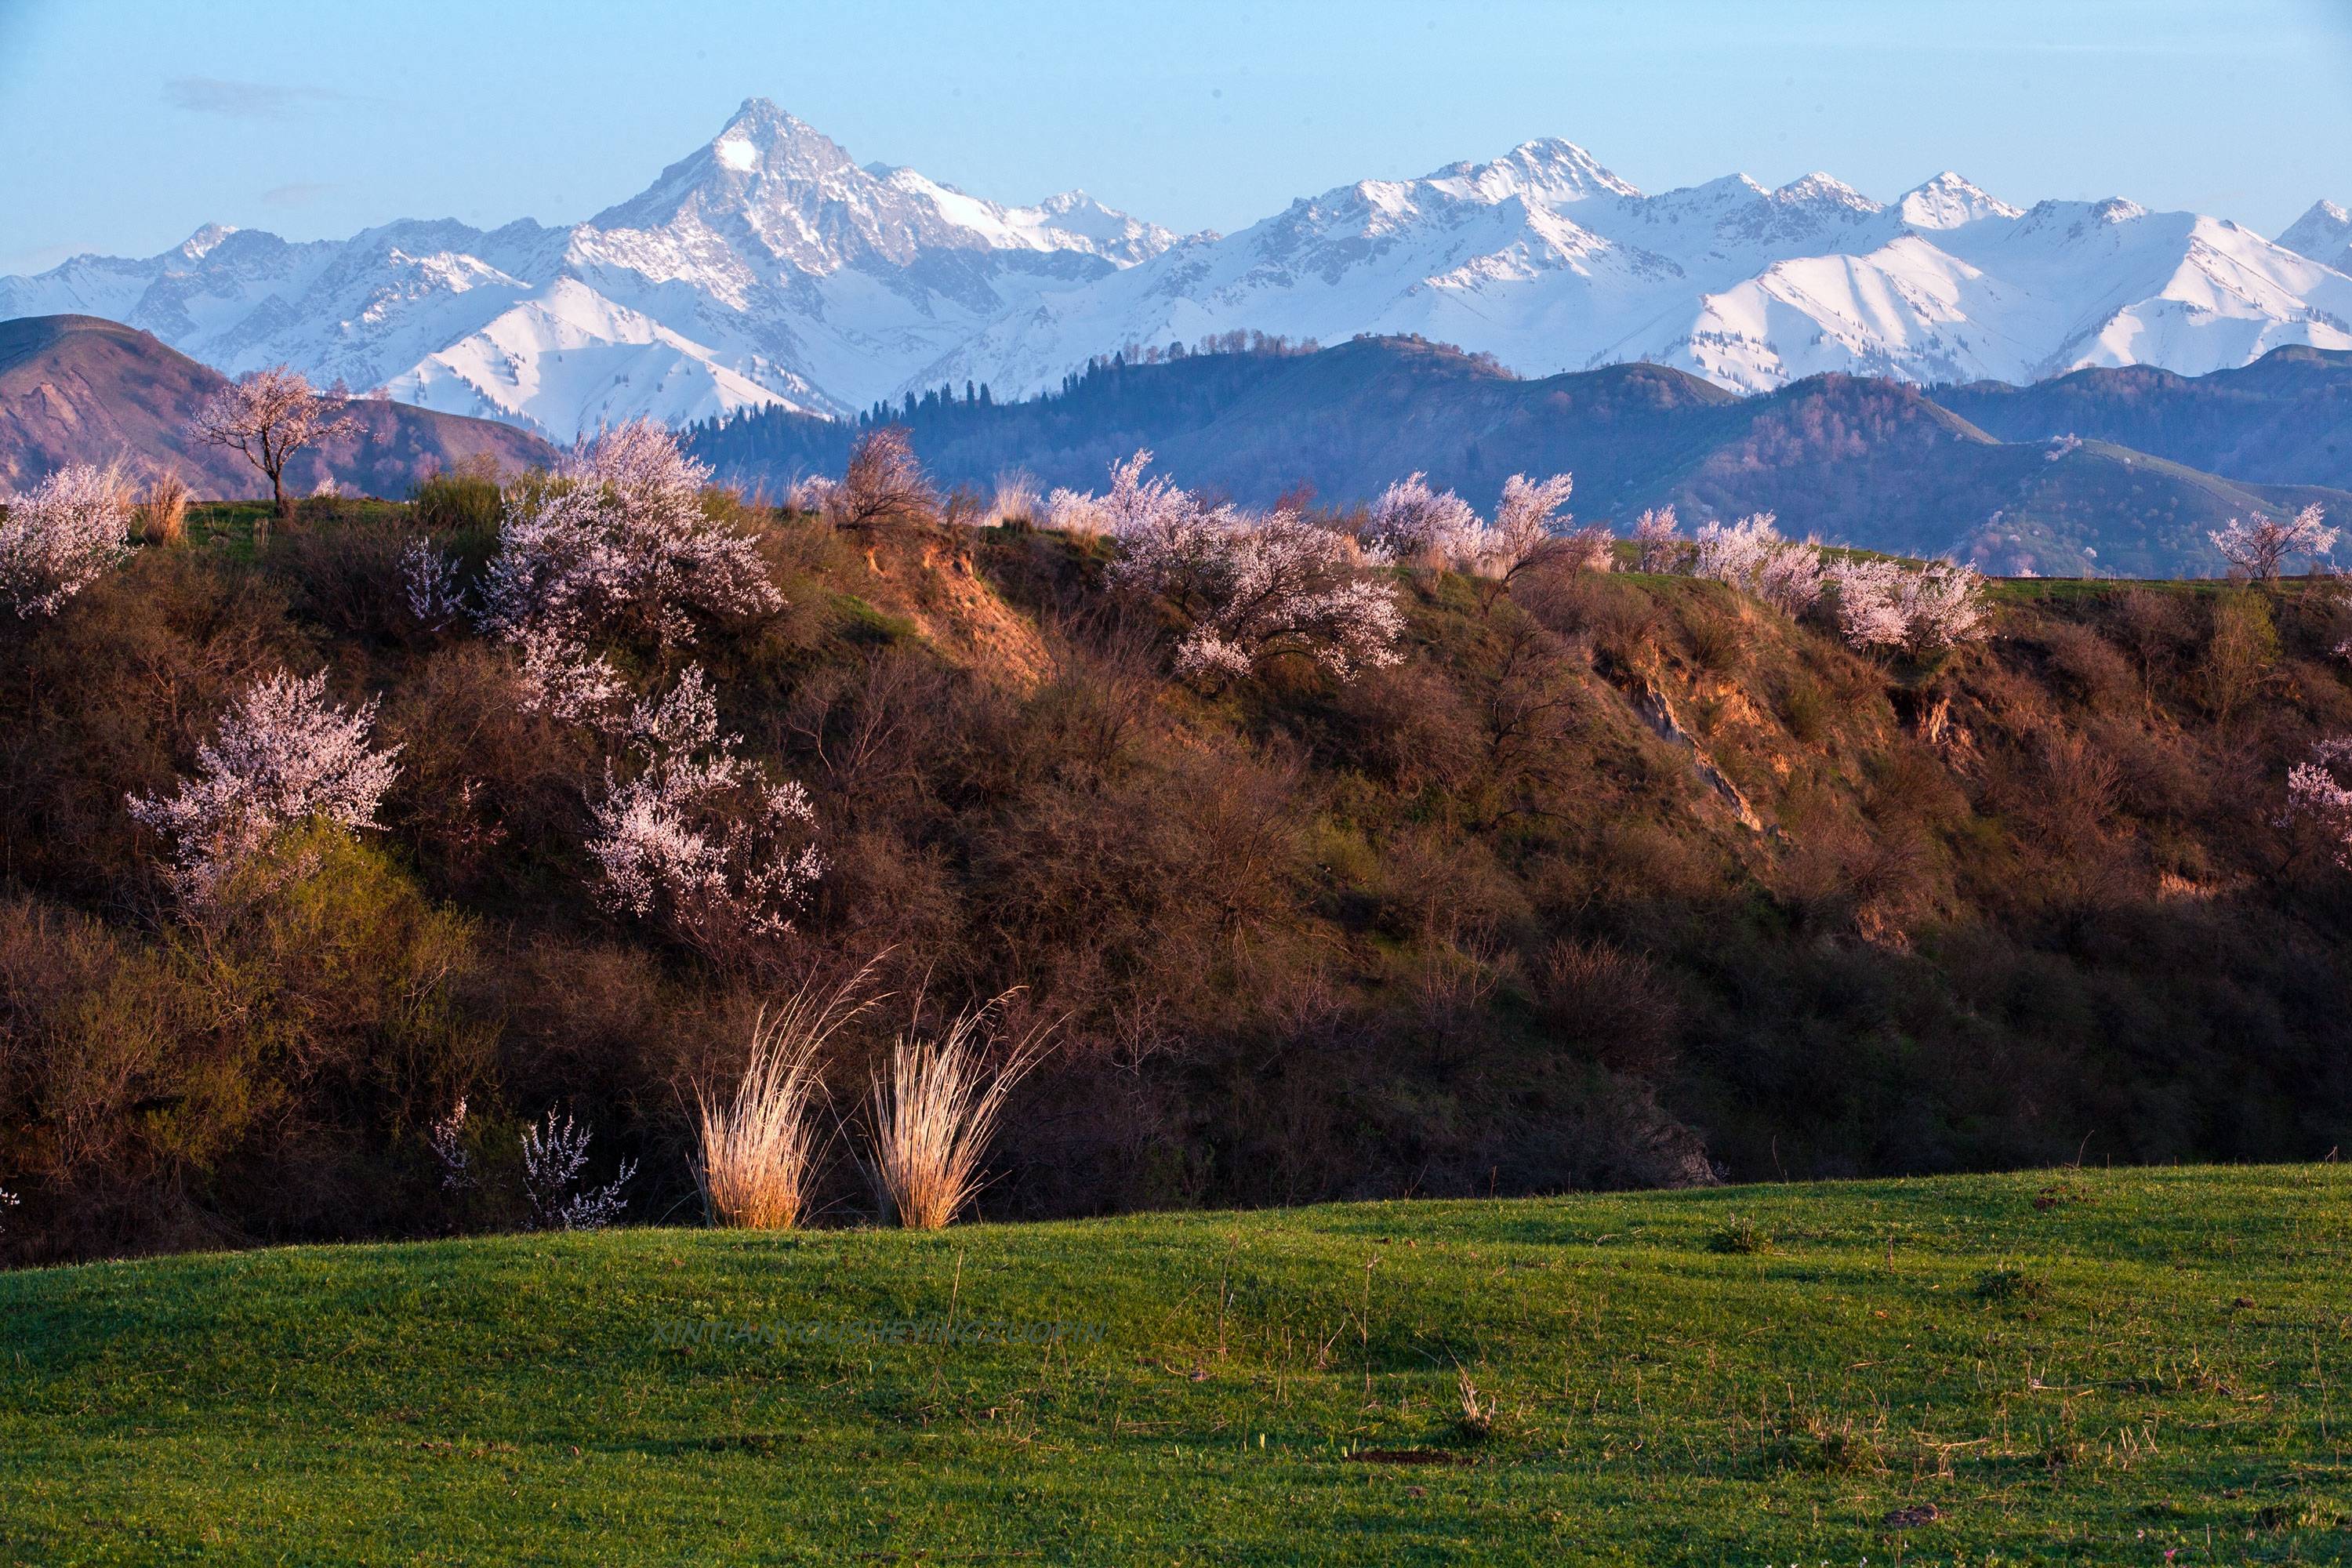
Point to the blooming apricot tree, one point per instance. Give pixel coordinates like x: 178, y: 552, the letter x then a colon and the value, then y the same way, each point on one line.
x: 1886, y: 603
x: 1253, y: 588
x: 268, y: 415
x: 1413, y: 523
x: 2259, y: 546
x: 1750, y: 555
x: 619, y: 543
x: 61, y: 537
x: 284, y: 756
x: 697, y: 836
x: 2316, y: 789
x: 1658, y: 533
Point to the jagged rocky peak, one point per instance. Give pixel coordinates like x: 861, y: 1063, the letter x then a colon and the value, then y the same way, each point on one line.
x: 206, y: 240
x: 1948, y: 201
x: 1820, y: 190
x: 762, y: 138
x: 1548, y: 170
x: 2324, y: 234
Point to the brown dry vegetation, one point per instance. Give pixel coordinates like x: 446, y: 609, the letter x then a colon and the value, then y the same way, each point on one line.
x: 1468, y: 925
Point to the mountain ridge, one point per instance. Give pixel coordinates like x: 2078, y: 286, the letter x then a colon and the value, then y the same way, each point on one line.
x: 769, y: 268
x: 80, y: 389
x: 1871, y: 463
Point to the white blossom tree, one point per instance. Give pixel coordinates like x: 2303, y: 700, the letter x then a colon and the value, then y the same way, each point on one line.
x: 429, y: 573
x: 1412, y: 523
x: 2259, y: 546
x: 1886, y: 603
x: 2316, y: 789
x: 1658, y: 533
x: 284, y: 756
x: 696, y: 835
x: 268, y: 415
x: 1253, y: 589
x: 554, y: 1159
x: 1527, y: 528
x: 61, y: 537
x: 618, y: 544
x: 1751, y: 556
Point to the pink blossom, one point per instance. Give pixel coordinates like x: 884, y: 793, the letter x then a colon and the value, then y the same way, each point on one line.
x: 2314, y: 788
x: 619, y: 543
x: 59, y: 540
x: 2259, y: 546
x: 1253, y: 588
x: 284, y: 756
x: 1751, y: 556
x: 1886, y: 603
x: 697, y: 836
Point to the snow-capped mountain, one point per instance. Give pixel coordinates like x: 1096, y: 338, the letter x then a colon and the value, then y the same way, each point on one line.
x: 768, y: 266
x: 765, y: 268
x: 2323, y: 234
x: 1549, y: 262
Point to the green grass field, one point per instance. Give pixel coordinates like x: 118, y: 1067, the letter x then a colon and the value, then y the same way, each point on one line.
x: 2092, y: 1367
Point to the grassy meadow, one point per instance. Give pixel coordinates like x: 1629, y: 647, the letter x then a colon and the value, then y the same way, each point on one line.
x: 2092, y: 1366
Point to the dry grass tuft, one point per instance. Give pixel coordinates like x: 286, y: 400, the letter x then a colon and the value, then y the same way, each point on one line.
x: 759, y: 1149
x: 1477, y: 1423
x: 163, y: 512
x: 1017, y: 500
x: 935, y: 1108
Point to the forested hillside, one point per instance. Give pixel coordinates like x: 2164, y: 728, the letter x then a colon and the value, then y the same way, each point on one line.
x: 1877, y: 464
x: 1489, y: 873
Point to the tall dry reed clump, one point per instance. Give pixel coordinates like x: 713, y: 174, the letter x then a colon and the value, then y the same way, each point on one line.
x: 163, y: 512
x: 761, y: 1148
x: 935, y: 1105
x: 1017, y: 498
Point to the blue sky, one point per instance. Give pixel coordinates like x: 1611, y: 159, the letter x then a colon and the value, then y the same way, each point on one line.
x: 125, y: 126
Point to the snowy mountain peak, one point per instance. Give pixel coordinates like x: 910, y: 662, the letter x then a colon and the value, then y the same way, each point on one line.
x: 763, y: 137
x: 1547, y: 170
x: 2324, y: 234
x: 205, y: 241
x: 1948, y: 201
x: 767, y: 266
x: 1820, y: 190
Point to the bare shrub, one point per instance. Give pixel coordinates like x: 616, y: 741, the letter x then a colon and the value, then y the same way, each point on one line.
x: 1610, y: 1002
x: 2240, y: 653
x: 935, y: 1108
x: 883, y: 483
x: 760, y: 1148
x: 464, y: 499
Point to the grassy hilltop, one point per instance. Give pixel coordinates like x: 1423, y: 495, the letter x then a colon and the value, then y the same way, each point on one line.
x: 2077, y: 1365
